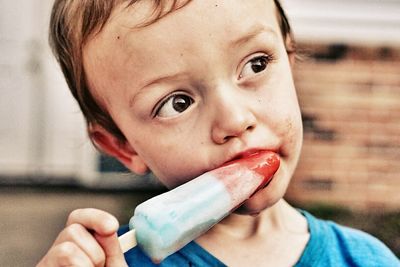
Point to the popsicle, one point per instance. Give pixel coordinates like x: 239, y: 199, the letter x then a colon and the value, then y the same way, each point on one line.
x: 164, y: 224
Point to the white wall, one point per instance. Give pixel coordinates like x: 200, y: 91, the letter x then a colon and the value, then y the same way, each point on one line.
x: 365, y: 22
x: 41, y: 129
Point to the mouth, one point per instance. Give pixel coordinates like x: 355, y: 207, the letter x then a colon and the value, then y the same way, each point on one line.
x: 249, y: 153
x: 264, y: 162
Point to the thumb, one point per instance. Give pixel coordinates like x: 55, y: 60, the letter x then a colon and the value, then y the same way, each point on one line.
x: 112, y: 249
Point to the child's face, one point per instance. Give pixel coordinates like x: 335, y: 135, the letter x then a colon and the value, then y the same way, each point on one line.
x: 196, y: 89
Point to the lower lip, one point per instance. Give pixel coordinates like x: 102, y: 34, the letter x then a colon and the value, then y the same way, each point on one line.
x: 265, y: 163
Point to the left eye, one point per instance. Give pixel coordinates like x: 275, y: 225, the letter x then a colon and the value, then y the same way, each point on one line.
x: 254, y: 66
x: 174, y: 105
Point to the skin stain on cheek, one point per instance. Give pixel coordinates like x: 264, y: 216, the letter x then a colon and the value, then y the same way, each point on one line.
x: 287, y: 130
x: 294, y: 136
x: 289, y: 125
x: 290, y: 129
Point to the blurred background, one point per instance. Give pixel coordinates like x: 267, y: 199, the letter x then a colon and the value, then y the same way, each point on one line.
x: 348, y: 82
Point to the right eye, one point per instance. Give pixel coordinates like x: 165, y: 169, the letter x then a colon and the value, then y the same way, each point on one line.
x: 174, y: 105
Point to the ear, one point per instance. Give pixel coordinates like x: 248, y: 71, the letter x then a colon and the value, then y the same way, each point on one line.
x: 292, y: 58
x: 290, y: 45
x: 121, y: 150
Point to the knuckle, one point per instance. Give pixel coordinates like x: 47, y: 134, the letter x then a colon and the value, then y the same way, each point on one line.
x: 66, y: 251
x: 74, y: 230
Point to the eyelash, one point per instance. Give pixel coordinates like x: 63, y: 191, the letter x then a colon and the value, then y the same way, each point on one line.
x: 161, y: 104
x: 268, y: 59
x: 157, y: 108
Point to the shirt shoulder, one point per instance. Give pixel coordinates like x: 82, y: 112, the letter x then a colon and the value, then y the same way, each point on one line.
x: 331, y: 244
x: 362, y: 249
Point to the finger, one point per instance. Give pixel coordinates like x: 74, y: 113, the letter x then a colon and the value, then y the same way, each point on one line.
x: 112, y: 249
x: 65, y: 254
x: 79, y: 235
x: 99, y: 221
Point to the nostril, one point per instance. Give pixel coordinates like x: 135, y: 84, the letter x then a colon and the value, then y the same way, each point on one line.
x: 226, y: 138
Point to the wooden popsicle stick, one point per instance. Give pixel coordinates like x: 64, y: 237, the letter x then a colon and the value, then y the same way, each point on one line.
x: 127, y: 240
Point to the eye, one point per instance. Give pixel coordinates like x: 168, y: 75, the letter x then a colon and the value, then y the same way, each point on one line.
x: 174, y: 105
x: 254, y: 66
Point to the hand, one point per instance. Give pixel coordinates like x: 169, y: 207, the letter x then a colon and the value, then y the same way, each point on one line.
x: 89, y: 239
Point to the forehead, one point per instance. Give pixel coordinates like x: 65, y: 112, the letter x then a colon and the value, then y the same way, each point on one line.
x: 199, y: 17
x: 200, y: 25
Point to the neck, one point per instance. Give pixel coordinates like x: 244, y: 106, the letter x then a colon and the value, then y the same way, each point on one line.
x: 280, y: 217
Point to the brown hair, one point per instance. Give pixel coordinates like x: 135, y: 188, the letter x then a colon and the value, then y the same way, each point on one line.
x: 72, y: 23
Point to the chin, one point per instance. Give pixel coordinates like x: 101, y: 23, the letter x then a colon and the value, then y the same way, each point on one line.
x: 257, y: 203
x: 264, y: 198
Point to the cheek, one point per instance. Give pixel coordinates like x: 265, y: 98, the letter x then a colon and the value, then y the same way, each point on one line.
x: 284, y: 119
x: 294, y: 130
x: 291, y: 132
x: 290, y: 122
x: 172, y: 158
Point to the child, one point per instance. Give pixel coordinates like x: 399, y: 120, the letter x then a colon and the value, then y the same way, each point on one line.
x: 180, y: 88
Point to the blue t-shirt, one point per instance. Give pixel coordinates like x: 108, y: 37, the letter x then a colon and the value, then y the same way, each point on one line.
x: 330, y: 245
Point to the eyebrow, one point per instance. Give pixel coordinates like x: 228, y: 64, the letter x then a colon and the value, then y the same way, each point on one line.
x: 164, y: 78
x: 251, y: 34
x: 155, y: 81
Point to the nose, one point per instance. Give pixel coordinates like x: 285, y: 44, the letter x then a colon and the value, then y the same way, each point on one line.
x: 233, y: 116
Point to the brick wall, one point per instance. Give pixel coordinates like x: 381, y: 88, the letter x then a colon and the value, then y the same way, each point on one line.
x: 350, y: 100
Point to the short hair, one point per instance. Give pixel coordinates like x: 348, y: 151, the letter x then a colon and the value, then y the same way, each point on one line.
x: 72, y: 23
